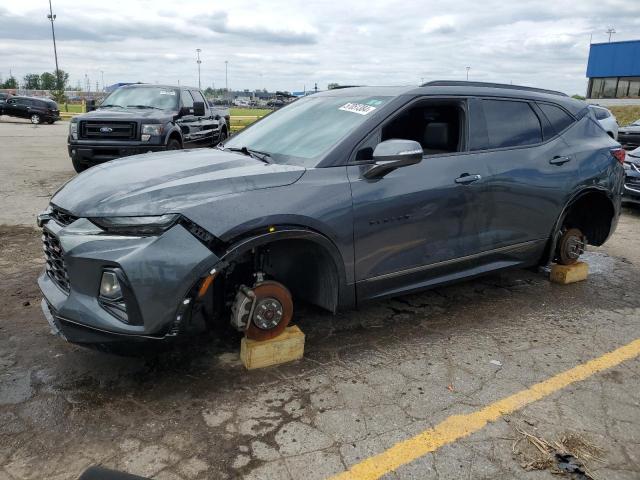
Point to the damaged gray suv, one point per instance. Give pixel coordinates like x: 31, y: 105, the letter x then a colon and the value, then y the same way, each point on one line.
x: 341, y: 197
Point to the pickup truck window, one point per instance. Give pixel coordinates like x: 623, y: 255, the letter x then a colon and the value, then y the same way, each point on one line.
x: 187, y: 99
x: 141, y: 97
x: 303, y: 131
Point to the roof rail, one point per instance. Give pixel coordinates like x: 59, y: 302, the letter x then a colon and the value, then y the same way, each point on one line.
x: 462, y: 83
x: 340, y: 87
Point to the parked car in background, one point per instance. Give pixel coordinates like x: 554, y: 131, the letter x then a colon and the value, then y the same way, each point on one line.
x: 629, y: 135
x: 632, y: 178
x: 142, y: 118
x: 38, y: 110
x: 3, y: 99
x: 338, y: 198
x: 607, y: 119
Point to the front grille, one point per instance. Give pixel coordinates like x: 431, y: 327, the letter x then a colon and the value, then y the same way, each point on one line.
x: 107, y: 130
x: 55, y: 266
x: 63, y: 217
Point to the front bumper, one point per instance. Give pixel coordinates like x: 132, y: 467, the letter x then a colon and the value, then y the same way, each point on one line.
x: 93, y: 153
x: 160, y: 272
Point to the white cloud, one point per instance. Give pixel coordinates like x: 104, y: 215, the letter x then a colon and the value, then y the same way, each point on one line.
x: 285, y: 44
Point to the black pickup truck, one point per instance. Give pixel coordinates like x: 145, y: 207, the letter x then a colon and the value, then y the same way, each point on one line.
x: 144, y: 118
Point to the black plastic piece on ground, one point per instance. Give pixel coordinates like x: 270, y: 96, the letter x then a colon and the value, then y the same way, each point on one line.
x: 100, y: 473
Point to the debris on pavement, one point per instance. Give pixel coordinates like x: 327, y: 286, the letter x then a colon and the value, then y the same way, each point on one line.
x: 566, y: 456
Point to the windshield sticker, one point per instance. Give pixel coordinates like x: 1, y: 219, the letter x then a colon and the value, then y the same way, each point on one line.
x: 374, y: 102
x: 167, y: 92
x: 358, y: 108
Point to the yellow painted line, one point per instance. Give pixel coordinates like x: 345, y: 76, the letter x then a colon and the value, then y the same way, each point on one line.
x: 460, y: 426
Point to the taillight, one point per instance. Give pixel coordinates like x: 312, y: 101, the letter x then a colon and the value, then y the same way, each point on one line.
x: 619, y: 154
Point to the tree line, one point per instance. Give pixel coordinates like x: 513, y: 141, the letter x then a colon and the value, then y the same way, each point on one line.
x: 38, y: 81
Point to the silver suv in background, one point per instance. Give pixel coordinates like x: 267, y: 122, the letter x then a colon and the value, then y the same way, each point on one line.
x: 607, y: 119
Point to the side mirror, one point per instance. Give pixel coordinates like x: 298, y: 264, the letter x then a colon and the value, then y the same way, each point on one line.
x: 392, y: 154
x: 198, y: 109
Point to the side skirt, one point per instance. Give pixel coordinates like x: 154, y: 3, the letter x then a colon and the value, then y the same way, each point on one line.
x: 448, y: 271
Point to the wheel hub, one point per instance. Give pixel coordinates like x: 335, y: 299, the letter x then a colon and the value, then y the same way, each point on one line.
x: 268, y: 313
x: 574, y: 247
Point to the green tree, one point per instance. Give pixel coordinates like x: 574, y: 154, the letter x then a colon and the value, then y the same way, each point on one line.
x: 331, y: 86
x: 10, y: 82
x: 48, y: 81
x: 31, y: 81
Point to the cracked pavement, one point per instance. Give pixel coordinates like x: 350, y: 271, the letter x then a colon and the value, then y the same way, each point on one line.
x: 369, y: 379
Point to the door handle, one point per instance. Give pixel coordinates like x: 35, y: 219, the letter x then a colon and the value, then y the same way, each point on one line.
x: 559, y: 160
x: 465, y: 178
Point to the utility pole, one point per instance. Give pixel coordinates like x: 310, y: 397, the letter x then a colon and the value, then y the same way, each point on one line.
x: 198, y: 61
x: 226, y: 75
x: 611, y: 31
x: 468, y: 68
x: 102, y: 77
x: 52, y: 17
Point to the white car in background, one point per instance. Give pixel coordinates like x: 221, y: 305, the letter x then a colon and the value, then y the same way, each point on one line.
x: 606, y: 119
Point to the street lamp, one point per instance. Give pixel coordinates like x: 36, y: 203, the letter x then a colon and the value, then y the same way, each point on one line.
x: 198, y: 61
x: 226, y: 75
x: 52, y: 17
x: 468, y: 68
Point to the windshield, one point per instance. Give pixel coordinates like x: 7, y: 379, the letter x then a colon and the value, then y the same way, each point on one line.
x: 302, y: 132
x: 143, y: 97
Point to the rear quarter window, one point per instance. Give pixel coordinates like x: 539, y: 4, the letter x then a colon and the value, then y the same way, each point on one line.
x: 559, y: 119
x: 511, y: 123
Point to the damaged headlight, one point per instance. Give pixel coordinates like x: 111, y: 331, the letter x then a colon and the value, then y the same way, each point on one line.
x: 141, y: 226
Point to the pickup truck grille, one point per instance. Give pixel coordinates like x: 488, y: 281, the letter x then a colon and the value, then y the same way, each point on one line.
x: 107, y: 130
x: 55, y: 267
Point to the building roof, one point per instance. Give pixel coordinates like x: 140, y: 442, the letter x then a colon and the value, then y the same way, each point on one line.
x: 614, y: 59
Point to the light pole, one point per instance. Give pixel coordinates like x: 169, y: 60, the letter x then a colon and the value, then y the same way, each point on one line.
x: 226, y: 75
x: 611, y: 31
x: 52, y: 17
x: 198, y: 61
x: 468, y: 68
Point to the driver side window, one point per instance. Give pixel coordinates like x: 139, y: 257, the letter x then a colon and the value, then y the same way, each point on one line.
x: 187, y: 100
x: 438, y: 126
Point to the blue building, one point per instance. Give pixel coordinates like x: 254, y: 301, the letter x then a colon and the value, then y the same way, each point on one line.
x: 614, y: 70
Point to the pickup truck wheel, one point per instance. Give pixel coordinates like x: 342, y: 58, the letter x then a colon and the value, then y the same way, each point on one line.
x: 222, y: 136
x: 272, y: 312
x: 35, y: 118
x: 78, y: 166
x: 570, y: 246
x: 174, y: 145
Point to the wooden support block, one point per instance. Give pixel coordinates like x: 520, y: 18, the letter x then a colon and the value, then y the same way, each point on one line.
x: 286, y: 347
x: 564, y: 274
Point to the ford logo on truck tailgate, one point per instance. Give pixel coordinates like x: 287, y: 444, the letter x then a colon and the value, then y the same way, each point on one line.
x: 106, y: 130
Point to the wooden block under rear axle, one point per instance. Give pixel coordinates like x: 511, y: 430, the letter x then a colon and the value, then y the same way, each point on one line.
x: 564, y: 274
x: 286, y: 347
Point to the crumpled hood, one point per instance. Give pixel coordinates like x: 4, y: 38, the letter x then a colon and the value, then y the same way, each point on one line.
x: 167, y: 182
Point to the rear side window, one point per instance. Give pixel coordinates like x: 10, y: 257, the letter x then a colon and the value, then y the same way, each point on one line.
x: 511, y: 124
x: 558, y: 117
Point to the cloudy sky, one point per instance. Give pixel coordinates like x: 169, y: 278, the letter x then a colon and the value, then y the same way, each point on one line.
x: 282, y: 44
